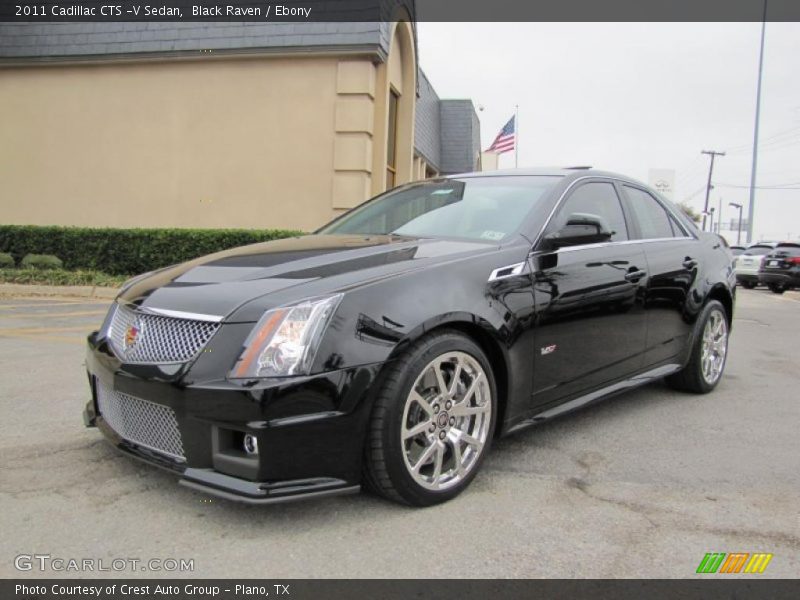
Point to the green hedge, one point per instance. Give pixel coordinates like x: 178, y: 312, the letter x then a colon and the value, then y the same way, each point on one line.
x: 126, y: 251
x: 60, y: 277
x: 6, y: 261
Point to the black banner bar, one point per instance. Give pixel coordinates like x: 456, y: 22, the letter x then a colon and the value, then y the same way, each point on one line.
x: 749, y: 586
x: 32, y: 11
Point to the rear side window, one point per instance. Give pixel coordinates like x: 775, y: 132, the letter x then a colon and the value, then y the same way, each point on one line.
x: 599, y: 199
x: 653, y: 220
x: 787, y: 250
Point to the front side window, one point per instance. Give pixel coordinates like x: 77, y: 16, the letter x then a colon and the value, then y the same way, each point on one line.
x: 653, y: 220
x: 597, y: 198
x: 475, y: 208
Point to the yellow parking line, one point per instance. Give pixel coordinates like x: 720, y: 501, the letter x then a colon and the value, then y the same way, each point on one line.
x: 42, y: 330
x: 52, y: 315
x: 49, y: 338
x: 49, y: 304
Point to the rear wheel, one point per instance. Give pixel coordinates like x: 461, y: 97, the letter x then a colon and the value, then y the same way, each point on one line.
x: 432, y: 422
x: 709, y: 352
x: 777, y: 288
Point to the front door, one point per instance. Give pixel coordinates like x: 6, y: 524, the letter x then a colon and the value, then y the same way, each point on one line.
x: 590, y: 318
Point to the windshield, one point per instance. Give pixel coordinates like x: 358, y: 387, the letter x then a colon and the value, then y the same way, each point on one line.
x: 479, y: 208
x: 758, y: 251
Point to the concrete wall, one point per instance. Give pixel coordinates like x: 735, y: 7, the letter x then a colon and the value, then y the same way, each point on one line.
x: 240, y: 142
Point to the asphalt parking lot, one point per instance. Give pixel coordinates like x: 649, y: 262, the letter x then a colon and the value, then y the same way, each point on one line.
x: 642, y: 485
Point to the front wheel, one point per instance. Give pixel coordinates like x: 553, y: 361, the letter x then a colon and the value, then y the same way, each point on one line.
x: 432, y: 422
x: 749, y: 284
x: 709, y: 352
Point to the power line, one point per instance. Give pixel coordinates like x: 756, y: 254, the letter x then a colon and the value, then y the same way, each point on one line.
x: 758, y: 187
x: 767, y: 140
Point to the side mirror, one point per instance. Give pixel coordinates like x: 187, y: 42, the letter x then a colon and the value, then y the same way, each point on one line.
x: 581, y: 228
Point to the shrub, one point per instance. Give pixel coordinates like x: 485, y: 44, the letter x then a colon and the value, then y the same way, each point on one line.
x: 126, y: 251
x: 6, y: 261
x: 41, y: 261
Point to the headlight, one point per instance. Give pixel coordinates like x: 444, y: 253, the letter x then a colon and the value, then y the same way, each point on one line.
x: 105, y: 329
x: 285, y: 339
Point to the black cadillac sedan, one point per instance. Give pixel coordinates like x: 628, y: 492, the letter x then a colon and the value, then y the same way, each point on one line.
x: 389, y: 348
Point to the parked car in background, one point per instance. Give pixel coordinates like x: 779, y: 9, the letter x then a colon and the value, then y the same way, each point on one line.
x: 392, y: 346
x: 748, y: 264
x: 737, y: 250
x: 780, y: 269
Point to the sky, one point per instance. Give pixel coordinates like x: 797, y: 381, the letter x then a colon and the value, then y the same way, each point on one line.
x: 630, y: 97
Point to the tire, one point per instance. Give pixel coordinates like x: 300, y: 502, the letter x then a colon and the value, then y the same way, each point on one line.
x: 749, y: 285
x: 696, y: 377
x: 424, y: 444
x: 777, y: 288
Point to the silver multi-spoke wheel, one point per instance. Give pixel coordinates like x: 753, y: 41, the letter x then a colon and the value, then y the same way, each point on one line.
x: 446, y: 420
x: 714, y: 347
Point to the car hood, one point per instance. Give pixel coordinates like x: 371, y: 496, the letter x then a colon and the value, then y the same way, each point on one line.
x: 219, y: 283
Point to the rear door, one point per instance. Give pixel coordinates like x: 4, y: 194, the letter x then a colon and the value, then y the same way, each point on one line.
x: 590, y: 322
x: 673, y: 256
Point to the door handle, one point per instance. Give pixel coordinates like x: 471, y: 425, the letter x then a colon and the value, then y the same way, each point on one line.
x: 634, y: 276
x: 689, y: 263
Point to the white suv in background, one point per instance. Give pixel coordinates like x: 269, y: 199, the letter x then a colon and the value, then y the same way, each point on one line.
x: 749, y: 262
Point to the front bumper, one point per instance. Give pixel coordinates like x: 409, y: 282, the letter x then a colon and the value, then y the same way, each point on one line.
x: 747, y: 278
x: 310, y: 430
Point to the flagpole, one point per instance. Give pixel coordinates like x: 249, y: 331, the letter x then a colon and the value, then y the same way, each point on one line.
x: 516, y: 136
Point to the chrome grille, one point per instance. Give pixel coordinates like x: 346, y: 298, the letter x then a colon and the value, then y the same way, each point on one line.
x: 144, y: 423
x: 139, y: 337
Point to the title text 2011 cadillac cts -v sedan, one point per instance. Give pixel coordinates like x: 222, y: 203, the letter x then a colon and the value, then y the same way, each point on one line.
x: 389, y: 348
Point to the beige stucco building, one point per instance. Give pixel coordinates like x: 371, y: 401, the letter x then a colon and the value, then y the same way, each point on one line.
x: 217, y: 124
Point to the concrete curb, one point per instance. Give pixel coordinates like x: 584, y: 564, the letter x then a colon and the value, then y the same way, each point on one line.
x: 67, y: 291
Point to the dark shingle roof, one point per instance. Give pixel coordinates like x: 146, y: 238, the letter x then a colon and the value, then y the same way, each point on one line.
x: 460, y: 136
x: 427, y: 128
x: 85, y: 40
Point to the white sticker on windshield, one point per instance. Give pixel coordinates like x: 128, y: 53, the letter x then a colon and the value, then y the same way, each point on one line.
x: 441, y: 192
x: 492, y: 235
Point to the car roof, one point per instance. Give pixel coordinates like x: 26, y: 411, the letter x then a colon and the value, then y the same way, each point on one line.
x: 566, y: 172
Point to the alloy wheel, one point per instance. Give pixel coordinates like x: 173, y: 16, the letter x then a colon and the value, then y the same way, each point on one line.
x: 715, y: 347
x: 446, y: 420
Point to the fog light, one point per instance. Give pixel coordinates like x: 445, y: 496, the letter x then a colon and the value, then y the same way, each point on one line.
x: 250, y: 444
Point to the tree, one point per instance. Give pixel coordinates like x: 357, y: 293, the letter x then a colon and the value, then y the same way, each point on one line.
x: 689, y: 211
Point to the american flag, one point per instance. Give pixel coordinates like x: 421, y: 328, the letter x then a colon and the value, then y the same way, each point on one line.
x: 506, y: 138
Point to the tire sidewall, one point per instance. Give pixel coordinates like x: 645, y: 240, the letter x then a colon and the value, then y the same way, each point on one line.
x: 402, y: 480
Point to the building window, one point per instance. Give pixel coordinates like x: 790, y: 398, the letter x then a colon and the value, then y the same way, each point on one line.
x: 391, y: 140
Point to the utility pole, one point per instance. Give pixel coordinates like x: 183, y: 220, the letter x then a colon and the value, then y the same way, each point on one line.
x: 751, y: 208
x: 713, y: 154
x: 738, y: 233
